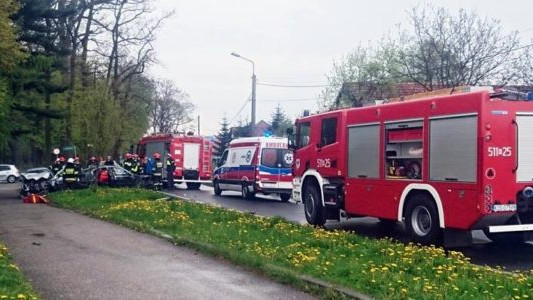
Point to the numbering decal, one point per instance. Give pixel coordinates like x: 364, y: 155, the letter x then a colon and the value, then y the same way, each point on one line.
x: 499, y: 151
x: 323, y: 163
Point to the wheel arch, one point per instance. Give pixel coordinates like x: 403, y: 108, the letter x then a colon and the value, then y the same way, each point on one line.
x: 312, y: 176
x: 414, y: 188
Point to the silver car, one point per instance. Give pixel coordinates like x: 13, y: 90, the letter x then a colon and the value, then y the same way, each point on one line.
x: 38, y: 173
x: 9, y: 173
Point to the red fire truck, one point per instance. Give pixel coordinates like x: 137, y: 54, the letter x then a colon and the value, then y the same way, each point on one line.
x: 446, y: 164
x: 191, y: 154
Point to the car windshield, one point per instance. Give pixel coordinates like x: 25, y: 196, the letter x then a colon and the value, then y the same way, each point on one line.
x: 39, y: 170
x: 276, y: 158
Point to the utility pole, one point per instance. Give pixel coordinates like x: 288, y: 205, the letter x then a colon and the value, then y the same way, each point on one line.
x: 199, y: 125
x: 254, y: 85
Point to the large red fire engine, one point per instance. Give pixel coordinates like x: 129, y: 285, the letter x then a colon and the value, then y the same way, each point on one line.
x: 192, y: 156
x: 448, y: 164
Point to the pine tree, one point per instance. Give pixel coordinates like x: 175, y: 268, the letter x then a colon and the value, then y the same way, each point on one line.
x: 223, y: 138
x: 280, y: 121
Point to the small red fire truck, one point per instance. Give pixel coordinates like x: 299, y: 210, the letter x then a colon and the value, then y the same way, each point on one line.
x: 192, y: 156
x: 446, y: 164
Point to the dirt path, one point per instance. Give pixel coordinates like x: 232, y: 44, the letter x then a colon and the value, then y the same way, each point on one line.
x: 70, y: 256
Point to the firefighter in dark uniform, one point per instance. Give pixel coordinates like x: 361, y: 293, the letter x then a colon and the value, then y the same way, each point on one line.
x: 157, y: 174
x: 109, y: 161
x: 57, y: 166
x: 70, y: 173
x: 136, y: 168
x: 92, y: 162
x: 128, y: 163
x: 77, y: 164
x: 171, y: 166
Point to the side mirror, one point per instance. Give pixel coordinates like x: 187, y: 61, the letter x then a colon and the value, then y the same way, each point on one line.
x: 291, y: 138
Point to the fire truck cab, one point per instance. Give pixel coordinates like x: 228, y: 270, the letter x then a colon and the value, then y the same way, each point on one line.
x: 191, y: 154
x: 455, y: 162
x: 255, y: 165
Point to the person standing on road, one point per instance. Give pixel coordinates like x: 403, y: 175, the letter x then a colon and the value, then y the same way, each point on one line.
x: 70, y: 173
x: 128, y: 163
x: 136, y: 168
x: 77, y: 164
x: 56, y: 167
x: 157, y: 174
x: 171, y: 166
x: 92, y: 162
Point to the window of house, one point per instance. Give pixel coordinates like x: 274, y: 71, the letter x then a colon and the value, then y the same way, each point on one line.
x: 329, y: 132
x: 304, y: 134
x: 404, y: 150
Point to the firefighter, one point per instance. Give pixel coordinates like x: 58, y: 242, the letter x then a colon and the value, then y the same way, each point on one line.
x: 170, y: 171
x: 62, y: 161
x: 70, y: 173
x: 128, y: 162
x: 56, y: 167
x: 157, y: 174
x: 77, y: 164
x: 136, y: 168
x: 109, y: 161
x: 92, y: 162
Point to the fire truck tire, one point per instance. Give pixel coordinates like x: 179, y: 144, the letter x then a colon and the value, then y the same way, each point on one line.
x: 216, y: 188
x: 285, y: 197
x: 246, y: 194
x: 193, y: 185
x: 314, y: 212
x: 422, y: 220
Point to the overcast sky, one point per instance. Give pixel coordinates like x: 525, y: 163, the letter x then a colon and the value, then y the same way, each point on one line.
x: 291, y: 41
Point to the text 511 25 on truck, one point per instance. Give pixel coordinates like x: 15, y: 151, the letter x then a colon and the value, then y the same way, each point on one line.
x: 446, y: 164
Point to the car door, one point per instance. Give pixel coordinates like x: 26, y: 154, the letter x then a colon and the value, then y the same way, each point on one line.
x: 4, y: 170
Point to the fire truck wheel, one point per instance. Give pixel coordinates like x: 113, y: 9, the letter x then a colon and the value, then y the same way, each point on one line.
x: 246, y: 194
x: 193, y: 185
x: 422, y: 220
x: 285, y: 197
x: 314, y: 212
x: 216, y: 188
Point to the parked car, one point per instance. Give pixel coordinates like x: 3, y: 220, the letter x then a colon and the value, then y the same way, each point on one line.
x: 9, y: 173
x: 38, y: 173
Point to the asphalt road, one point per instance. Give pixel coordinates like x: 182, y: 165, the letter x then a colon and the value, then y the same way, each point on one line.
x: 482, y: 252
x: 69, y: 256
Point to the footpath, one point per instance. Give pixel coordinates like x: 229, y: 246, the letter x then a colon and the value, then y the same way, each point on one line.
x: 70, y: 256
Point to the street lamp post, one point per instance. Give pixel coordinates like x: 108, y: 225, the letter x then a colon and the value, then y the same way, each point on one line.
x: 254, y: 83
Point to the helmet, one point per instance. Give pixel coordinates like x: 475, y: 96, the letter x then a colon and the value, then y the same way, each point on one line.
x: 70, y: 160
x: 128, y: 155
x: 92, y: 158
x: 62, y: 159
x: 157, y: 155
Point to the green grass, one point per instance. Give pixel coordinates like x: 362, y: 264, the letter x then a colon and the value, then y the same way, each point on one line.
x: 12, y: 283
x: 382, y: 268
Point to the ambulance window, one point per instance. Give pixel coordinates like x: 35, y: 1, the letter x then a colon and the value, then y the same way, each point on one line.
x: 304, y: 132
x: 329, y: 132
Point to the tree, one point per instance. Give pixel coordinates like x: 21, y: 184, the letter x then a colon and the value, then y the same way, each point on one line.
x: 280, y: 122
x: 171, y: 108
x: 223, y: 138
x: 449, y: 50
x: 11, y: 52
x: 374, y: 70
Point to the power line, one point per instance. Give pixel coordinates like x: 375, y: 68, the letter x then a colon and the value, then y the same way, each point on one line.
x: 292, y: 85
x: 288, y: 100
x: 240, y: 110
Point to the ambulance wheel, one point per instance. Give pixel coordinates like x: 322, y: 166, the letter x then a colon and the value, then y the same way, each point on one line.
x: 246, y: 194
x: 285, y: 197
x: 422, y: 220
x: 314, y: 212
x: 217, y: 189
x: 193, y: 185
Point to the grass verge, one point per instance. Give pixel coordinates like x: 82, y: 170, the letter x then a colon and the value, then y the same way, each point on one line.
x: 12, y: 283
x: 382, y: 268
